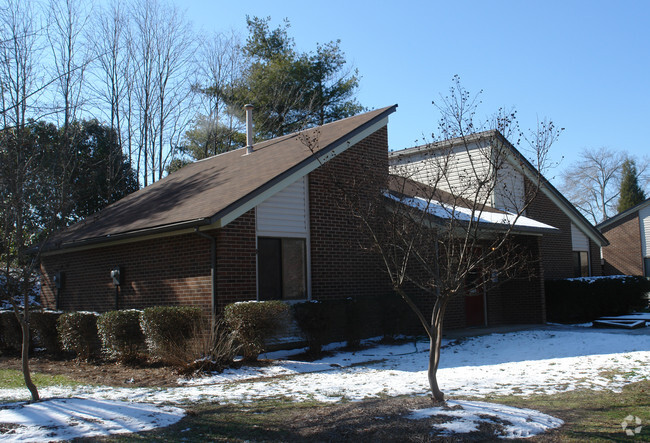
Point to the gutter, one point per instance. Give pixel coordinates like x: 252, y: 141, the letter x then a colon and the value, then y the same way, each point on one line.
x: 213, y: 271
x: 51, y: 247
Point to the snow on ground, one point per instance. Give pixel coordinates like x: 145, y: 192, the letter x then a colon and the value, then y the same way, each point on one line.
x: 468, y: 415
x: 68, y: 418
x: 521, y: 363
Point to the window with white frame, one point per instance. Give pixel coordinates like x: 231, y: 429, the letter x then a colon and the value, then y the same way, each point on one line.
x: 283, y: 244
x: 580, y: 247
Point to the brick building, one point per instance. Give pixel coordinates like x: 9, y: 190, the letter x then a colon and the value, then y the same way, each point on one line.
x: 251, y: 226
x: 628, y: 234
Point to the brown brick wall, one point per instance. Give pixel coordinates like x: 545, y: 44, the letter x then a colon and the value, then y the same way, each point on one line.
x: 236, y: 261
x: 340, y: 268
x: 623, y: 255
x: 556, y: 249
x: 169, y: 271
x: 520, y: 300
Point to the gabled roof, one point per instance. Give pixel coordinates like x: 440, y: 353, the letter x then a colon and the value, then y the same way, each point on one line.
x: 520, y: 162
x: 623, y: 214
x: 213, y: 192
x: 442, y: 205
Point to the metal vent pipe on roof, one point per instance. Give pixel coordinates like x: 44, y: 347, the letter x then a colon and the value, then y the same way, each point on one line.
x: 249, y: 128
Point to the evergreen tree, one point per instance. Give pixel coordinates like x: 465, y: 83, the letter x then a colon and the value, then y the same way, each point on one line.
x: 631, y: 193
x: 292, y: 90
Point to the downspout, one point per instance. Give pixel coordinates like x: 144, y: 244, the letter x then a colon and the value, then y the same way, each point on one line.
x: 213, y: 271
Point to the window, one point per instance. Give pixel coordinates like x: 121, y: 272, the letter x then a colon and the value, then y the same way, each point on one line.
x: 646, y: 266
x: 580, y: 264
x: 282, y: 270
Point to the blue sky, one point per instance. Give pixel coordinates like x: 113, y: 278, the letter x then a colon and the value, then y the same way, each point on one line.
x: 585, y: 65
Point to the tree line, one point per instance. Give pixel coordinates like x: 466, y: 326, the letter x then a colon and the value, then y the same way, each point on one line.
x: 167, y: 92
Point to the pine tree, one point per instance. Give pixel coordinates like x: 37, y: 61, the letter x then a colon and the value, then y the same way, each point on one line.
x: 631, y: 193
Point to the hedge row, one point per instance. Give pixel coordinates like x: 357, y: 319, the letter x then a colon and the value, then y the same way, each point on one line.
x: 165, y: 332
x: 321, y: 322
x: 124, y: 335
x: 585, y: 299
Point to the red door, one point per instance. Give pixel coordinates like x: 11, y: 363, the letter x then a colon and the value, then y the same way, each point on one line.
x: 475, y: 301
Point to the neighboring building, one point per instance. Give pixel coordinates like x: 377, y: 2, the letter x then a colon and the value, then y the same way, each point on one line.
x: 263, y: 225
x: 628, y: 234
x: 572, y: 251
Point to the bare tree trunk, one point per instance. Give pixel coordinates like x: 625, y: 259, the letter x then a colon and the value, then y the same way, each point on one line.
x: 435, y: 341
x: 24, y: 325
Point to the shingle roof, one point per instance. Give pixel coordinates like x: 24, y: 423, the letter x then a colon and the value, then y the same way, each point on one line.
x: 204, y: 192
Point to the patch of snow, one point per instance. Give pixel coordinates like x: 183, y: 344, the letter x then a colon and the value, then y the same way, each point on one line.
x: 596, y: 278
x: 445, y: 211
x: 468, y: 415
x: 68, y: 418
x: 520, y: 363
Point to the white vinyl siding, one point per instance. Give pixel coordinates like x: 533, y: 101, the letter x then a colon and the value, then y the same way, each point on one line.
x: 462, y: 164
x: 579, y: 241
x: 644, y: 221
x: 286, y: 213
x: 509, y: 193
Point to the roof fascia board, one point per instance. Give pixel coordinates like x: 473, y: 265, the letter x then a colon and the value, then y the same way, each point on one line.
x: 518, y: 160
x: 104, y: 242
x: 309, y: 165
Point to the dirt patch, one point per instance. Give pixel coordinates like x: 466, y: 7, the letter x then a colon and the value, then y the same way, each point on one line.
x: 100, y: 373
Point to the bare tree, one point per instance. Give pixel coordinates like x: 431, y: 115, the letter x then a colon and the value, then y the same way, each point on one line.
x: 109, y: 47
x: 66, y: 32
x: 219, y: 65
x: 432, y: 223
x: 173, y: 52
x: 161, y: 46
x: 592, y: 183
x: 18, y: 82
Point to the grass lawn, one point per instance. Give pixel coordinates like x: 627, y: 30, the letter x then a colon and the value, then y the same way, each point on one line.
x: 588, y: 416
x: 11, y: 378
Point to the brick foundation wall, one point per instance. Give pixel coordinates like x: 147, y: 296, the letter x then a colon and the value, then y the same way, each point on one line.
x: 623, y: 255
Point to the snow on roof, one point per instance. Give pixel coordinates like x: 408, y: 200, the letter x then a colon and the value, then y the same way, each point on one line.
x: 460, y: 213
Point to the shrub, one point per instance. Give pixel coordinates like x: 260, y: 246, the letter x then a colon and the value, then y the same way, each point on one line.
x: 396, y: 317
x: 11, y: 335
x: 211, y: 350
x: 43, y: 325
x: 585, y: 299
x: 323, y: 322
x: 121, y: 335
x: 78, y: 334
x: 168, y: 327
x: 252, y: 321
